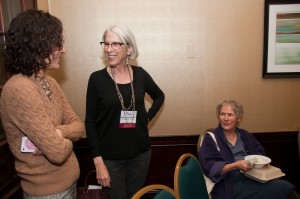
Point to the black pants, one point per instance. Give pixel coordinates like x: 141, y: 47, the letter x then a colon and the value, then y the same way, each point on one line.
x: 127, y: 176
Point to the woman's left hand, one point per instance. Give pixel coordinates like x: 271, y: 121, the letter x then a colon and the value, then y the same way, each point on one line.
x: 244, y: 165
x: 37, y: 151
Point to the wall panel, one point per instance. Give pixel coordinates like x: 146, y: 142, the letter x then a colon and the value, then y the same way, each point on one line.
x: 225, y: 38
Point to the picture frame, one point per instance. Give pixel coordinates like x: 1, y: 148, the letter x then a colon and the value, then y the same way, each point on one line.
x: 281, y: 51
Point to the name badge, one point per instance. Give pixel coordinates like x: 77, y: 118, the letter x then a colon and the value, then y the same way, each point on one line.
x: 128, y: 119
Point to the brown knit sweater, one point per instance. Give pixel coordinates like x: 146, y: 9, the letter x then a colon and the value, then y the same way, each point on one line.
x: 26, y: 111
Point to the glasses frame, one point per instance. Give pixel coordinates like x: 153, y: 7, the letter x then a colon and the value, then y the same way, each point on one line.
x: 113, y: 45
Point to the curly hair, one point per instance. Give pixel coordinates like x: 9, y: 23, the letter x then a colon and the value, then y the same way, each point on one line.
x: 31, y: 38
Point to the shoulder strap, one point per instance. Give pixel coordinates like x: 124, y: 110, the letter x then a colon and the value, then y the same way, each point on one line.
x: 214, y: 138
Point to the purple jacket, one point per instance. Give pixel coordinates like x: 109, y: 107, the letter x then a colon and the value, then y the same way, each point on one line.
x: 212, y: 161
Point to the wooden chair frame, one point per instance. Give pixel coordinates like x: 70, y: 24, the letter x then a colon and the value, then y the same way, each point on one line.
x: 148, y: 188
x: 177, y: 171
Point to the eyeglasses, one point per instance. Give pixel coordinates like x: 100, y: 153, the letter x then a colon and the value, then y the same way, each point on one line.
x: 114, y: 45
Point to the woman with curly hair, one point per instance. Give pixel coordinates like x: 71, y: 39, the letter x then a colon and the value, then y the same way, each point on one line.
x: 35, y: 111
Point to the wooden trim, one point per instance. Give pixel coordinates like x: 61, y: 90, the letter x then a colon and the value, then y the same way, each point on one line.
x: 276, y: 144
x: 24, y: 5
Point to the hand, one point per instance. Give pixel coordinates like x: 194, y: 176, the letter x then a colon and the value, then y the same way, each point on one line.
x: 103, y: 177
x: 58, y: 132
x: 37, y: 151
x: 244, y: 165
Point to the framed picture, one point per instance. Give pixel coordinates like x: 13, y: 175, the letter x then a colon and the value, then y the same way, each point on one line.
x: 281, y: 55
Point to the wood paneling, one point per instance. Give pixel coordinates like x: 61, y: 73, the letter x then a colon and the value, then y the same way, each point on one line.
x: 281, y: 147
x: 9, y: 181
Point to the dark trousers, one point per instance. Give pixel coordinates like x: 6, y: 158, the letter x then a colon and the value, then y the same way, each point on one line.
x: 245, y: 187
x: 127, y: 176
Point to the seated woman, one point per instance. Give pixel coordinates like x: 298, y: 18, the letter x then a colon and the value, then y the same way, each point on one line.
x: 223, y: 166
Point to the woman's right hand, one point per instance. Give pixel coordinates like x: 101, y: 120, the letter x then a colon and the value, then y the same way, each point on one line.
x: 103, y: 177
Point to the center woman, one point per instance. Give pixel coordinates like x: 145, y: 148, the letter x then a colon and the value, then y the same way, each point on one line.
x: 116, y: 118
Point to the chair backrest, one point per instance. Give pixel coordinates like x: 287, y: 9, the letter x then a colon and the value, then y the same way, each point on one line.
x: 200, y: 139
x: 189, y: 182
x: 165, y: 192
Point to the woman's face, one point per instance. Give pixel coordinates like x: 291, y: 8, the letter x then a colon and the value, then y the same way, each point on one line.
x: 228, y: 119
x: 55, y: 58
x: 115, y: 57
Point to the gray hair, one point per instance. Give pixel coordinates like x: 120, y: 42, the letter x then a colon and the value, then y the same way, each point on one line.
x: 126, y: 36
x: 237, y: 108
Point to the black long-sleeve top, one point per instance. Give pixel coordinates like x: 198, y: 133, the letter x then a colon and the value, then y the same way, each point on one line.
x: 103, y: 109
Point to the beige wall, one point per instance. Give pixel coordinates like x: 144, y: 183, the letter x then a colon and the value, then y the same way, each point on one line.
x: 225, y: 38
x: 43, y: 5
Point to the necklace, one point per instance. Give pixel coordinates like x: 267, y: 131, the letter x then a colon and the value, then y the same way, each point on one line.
x: 132, y: 101
x: 44, y: 84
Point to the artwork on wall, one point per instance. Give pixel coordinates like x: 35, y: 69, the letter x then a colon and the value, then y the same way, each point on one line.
x: 281, y: 55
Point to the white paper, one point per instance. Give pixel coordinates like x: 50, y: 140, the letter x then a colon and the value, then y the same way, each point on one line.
x: 94, y: 187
